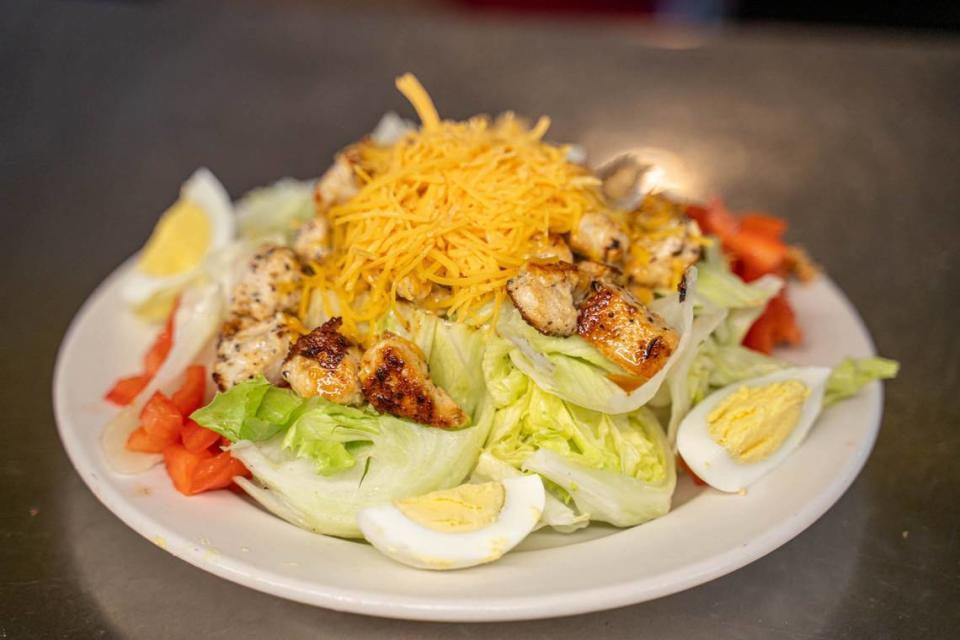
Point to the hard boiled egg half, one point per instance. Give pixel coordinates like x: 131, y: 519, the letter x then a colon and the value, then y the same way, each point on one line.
x: 739, y: 433
x: 456, y: 528
x: 198, y: 224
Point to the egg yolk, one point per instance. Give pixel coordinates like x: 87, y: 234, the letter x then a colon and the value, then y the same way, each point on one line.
x: 465, y: 508
x: 753, y: 422
x: 179, y: 242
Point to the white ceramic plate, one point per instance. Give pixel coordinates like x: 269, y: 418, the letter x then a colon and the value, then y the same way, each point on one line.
x: 706, y: 535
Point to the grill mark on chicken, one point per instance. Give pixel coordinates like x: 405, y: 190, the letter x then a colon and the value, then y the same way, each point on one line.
x: 625, y: 331
x: 395, y: 379
x: 325, y: 363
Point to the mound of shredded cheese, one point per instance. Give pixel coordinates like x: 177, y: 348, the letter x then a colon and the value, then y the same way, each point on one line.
x: 447, y: 215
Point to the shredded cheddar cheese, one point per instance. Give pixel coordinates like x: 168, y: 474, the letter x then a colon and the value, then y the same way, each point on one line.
x: 446, y: 216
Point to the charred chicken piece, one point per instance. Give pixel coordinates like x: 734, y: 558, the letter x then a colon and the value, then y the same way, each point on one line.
x: 324, y: 363
x: 600, y: 238
x: 248, y: 348
x: 395, y: 380
x: 625, y: 331
x: 655, y: 262
x: 270, y: 284
x: 543, y: 294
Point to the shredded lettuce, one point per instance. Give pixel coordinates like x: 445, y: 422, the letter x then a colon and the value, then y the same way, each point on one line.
x: 852, y: 374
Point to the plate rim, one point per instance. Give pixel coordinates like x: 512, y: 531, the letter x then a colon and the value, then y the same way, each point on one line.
x: 532, y: 607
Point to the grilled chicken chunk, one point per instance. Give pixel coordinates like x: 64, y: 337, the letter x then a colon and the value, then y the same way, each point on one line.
x: 271, y: 283
x: 337, y: 185
x: 324, y: 363
x: 625, y: 331
x: 656, y: 261
x: 249, y: 347
x: 543, y: 294
x: 598, y: 237
x: 313, y: 239
x: 395, y: 379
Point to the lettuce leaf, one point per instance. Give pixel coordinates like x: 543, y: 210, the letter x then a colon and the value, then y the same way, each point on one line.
x: 252, y: 410
x: 392, y: 459
x: 720, y: 288
x: 619, y: 499
x: 276, y: 210
x: 678, y: 381
x: 852, y: 374
x: 556, y: 514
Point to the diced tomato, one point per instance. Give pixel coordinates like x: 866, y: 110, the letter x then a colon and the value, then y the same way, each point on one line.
x: 777, y: 325
x: 714, y: 219
x: 758, y: 255
x: 196, y: 472
x: 181, y: 466
x: 683, y: 465
x: 762, y: 224
x: 126, y: 389
x: 160, y: 347
x: 189, y: 397
x: 219, y: 471
x: 144, y: 442
x: 161, y: 419
x: 196, y: 438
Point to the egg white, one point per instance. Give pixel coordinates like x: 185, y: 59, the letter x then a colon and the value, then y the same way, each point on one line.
x: 713, y: 463
x: 400, y: 538
x: 203, y: 189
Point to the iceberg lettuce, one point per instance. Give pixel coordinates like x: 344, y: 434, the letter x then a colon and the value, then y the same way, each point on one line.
x: 852, y: 374
x: 276, y: 210
x: 624, y: 460
x: 391, y: 459
x: 556, y: 513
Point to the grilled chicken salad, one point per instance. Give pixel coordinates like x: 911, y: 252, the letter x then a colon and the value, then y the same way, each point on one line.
x: 459, y: 334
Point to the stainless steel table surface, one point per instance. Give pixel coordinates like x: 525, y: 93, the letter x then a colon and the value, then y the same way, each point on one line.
x: 854, y: 137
